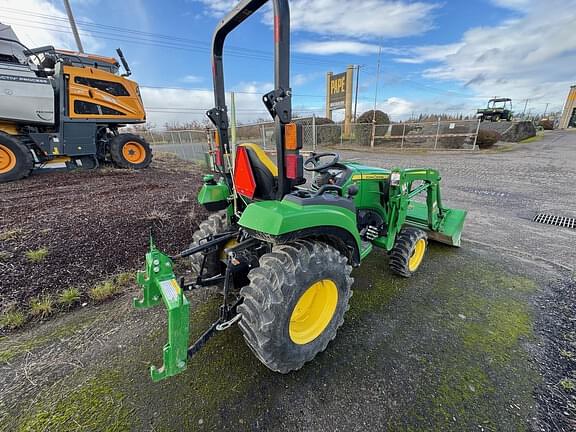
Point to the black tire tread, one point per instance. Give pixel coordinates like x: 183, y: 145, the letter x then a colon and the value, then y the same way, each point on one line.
x: 216, y: 223
x: 266, y: 300
x: 24, y: 159
x: 403, y: 248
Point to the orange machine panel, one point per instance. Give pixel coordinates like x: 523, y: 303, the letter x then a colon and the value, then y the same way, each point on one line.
x: 97, y: 94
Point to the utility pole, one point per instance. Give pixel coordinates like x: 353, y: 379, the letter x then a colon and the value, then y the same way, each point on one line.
x: 73, y: 25
x: 376, y: 98
x: 356, y: 95
x: 546, y: 110
x: 525, y: 106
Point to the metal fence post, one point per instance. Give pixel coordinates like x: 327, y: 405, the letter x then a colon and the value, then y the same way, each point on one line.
x: 403, y: 134
x: 341, y: 133
x: 314, y: 137
x: 263, y: 135
x: 437, y: 133
x: 476, y: 136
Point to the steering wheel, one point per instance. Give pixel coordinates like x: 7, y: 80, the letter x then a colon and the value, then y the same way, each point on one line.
x: 313, y: 162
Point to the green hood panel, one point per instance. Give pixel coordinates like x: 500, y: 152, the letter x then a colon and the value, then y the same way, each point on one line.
x: 282, y: 217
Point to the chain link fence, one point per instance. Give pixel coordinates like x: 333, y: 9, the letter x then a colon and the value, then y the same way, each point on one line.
x: 441, y: 135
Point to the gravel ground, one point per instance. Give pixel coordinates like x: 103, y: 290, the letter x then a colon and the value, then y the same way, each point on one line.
x: 482, y: 338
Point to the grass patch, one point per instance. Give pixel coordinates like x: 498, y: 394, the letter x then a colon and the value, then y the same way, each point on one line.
x: 41, y: 307
x: 104, y: 291
x: 37, y: 255
x: 12, y: 320
x: 536, y: 138
x: 124, y: 279
x: 11, y: 234
x: 568, y: 384
x: 95, y: 405
x: 69, y: 296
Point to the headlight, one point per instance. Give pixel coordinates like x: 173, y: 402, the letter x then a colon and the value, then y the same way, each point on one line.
x: 395, y: 179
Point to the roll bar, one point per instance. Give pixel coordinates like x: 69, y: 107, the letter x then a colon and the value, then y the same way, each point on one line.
x: 278, y: 101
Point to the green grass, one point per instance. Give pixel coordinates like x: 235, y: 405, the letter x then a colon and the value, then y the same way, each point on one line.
x: 11, y: 234
x: 37, y: 255
x: 537, y: 137
x: 12, y: 320
x: 94, y: 405
x: 41, y: 307
x: 69, y: 296
x: 108, y: 289
x: 568, y: 384
x: 5, y: 256
x: 104, y: 291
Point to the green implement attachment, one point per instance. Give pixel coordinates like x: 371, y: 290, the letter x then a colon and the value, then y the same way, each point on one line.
x: 159, y: 283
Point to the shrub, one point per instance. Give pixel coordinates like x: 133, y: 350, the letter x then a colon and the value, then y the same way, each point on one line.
x: 368, y: 116
x: 487, y: 138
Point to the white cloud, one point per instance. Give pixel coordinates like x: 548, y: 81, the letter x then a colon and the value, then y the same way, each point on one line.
x: 531, y: 56
x: 18, y: 14
x: 191, y: 79
x: 336, y: 47
x: 361, y: 18
x: 178, y: 105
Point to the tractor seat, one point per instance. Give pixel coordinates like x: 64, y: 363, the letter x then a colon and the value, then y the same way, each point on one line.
x: 264, y: 170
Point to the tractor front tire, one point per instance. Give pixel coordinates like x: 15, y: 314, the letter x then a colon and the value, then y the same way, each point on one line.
x: 130, y: 151
x: 16, y: 161
x: 295, y: 303
x: 408, y: 251
x: 215, y: 224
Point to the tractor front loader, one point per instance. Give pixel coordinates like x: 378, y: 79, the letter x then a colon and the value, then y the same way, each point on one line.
x: 283, y: 250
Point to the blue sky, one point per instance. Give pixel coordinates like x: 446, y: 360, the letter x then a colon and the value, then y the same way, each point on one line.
x: 437, y: 56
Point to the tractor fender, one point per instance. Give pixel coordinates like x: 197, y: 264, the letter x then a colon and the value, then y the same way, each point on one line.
x: 285, y: 221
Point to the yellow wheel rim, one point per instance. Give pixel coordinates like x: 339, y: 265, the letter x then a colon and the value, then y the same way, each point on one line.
x: 313, y: 312
x: 7, y: 160
x: 134, y: 152
x: 417, y: 255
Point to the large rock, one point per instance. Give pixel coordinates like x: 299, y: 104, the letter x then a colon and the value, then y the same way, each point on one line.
x: 511, y: 131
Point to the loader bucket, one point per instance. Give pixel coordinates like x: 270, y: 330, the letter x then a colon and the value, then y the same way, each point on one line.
x: 448, y: 229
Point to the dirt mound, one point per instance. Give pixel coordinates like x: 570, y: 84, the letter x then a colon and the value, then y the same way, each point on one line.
x: 73, y: 229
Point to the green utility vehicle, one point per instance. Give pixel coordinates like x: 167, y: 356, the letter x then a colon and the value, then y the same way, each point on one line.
x: 284, y: 251
x: 497, y: 109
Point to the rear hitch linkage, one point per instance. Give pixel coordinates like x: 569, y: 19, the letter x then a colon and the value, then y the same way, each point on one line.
x: 158, y: 283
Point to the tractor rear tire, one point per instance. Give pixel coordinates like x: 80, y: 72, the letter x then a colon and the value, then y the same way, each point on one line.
x: 130, y: 151
x: 215, y: 224
x: 16, y: 161
x: 295, y: 303
x: 408, y: 251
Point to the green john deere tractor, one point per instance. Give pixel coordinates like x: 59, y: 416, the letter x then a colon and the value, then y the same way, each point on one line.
x: 284, y: 251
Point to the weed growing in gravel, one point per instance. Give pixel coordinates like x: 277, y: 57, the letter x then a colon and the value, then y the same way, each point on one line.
x: 11, y: 234
x: 568, y: 354
x: 156, y: 214
x: 37, y: 255
x: 69, y: 296
x: 124, y: 279
x: 41, y: 307
x: 568, y: 384
x: 104, y: 291
x: 12, y: 320
x: 5, y: 256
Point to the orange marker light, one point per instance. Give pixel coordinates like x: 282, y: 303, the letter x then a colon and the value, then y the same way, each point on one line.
x: 291, y: 137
